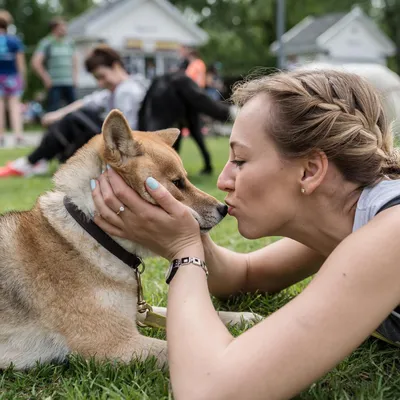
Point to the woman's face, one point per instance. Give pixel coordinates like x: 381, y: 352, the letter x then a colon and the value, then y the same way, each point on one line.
x: 262, y: 188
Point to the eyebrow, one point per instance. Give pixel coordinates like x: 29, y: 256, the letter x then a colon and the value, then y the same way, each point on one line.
x: 237, y: 144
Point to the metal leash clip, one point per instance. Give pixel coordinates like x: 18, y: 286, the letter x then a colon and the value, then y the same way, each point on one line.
x: 142, y: 306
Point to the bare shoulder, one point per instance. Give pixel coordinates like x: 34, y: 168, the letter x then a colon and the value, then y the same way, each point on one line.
x: 376, y: 244
x: 369, y: 257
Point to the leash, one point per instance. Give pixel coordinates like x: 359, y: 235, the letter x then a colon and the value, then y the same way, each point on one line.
x: 132, y: 260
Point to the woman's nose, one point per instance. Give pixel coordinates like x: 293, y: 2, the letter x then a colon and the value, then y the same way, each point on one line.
x: 225, y: 181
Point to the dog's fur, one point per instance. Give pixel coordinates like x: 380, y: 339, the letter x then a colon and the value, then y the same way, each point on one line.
x: 60, y: 291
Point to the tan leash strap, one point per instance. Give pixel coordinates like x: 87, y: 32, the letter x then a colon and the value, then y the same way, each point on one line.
x: 155, y: 320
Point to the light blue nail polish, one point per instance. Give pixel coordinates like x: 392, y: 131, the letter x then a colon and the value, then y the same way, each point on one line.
x: 152, y: 183
x: 93, y: 184
x: 108, y: 167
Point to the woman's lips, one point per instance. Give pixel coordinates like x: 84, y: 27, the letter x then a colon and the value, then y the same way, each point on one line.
x: 230, y: 210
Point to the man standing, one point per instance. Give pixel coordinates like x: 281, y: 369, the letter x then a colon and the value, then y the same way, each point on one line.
x: 55, y: 62
x: 195, y: 69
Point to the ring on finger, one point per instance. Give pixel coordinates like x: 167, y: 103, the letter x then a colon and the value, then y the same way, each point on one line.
x: 121, y: 209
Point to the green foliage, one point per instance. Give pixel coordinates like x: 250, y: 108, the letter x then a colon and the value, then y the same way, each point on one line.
x: 31, y: 19
x: 241, y: 31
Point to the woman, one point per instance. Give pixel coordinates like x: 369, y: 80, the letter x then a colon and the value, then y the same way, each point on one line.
x: 12, y: 78
x: 312, y: 160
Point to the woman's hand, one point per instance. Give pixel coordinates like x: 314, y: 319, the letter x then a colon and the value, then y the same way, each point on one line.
x: 169, y: 230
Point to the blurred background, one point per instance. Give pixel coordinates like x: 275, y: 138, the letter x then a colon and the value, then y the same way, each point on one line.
x: 232, y: 37
x: 235, y: 35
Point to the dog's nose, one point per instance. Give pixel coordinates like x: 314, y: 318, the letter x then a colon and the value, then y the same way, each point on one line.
x: 222, y: 209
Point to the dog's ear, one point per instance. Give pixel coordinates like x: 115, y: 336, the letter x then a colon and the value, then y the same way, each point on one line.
x: 118, y: 135
x: 168, y: 136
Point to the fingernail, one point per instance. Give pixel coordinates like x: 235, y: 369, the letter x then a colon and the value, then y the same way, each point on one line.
x: 93, y: 184
x: 152, y: 183
x: 108, y: 167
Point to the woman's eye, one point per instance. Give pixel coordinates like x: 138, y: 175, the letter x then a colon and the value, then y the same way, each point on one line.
x: 179, y: 183
x: 238, y: 162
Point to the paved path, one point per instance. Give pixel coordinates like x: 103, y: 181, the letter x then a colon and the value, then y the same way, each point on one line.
x: 32, y: 139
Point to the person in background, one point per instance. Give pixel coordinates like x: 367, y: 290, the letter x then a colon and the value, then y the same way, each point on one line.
x: 12, y: 77
x: 56, y: 64
x: 33, y: 110
x: 214, y: 85
x: 75, y: 124
x: 194, y: 68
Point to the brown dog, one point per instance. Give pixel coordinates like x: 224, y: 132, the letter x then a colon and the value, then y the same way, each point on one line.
x: 60, y: 290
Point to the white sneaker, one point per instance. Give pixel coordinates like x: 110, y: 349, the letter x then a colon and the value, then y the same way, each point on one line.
x: 40, y: 168
x: 22, y: 167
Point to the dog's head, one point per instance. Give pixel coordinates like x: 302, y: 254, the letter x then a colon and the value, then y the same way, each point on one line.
x: 138, y: 155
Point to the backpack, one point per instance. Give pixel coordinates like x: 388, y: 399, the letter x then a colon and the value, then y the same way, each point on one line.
x: 161, y: 107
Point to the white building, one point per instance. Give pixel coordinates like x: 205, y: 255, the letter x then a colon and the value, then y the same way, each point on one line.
x: 147, y: 33
x: 336, y: 39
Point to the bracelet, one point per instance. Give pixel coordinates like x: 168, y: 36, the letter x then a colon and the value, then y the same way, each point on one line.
x: 175, y: 264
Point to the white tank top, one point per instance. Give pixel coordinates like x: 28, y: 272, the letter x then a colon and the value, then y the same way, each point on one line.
x: 373, y: 199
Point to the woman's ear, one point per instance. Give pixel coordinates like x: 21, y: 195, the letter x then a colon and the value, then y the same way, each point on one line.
x: 315, y: 168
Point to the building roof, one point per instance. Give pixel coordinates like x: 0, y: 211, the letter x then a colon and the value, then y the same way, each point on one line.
x: 310, y: 34
x: 79, y: 25
x: 303, y: 37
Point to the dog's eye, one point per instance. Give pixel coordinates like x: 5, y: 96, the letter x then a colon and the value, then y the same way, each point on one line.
x: 179, y: 183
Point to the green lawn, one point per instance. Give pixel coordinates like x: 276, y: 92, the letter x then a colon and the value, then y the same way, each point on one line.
x: 371, y: 372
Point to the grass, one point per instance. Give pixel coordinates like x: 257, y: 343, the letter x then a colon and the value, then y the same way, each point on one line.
x: 371, y: 372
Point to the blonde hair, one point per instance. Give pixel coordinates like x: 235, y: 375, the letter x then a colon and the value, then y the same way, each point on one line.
x: 335, y: 112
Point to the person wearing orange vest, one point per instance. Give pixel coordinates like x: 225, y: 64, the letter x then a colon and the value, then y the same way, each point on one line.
x: 193, y: 66
x: 196, y: 69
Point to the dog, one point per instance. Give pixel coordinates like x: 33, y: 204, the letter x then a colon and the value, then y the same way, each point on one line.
x: 62, y: 292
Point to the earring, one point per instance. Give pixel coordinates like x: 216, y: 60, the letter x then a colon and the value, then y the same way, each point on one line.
x: 303, y: 190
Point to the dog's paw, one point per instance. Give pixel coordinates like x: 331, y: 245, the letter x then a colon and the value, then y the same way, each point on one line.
x: 237, y: 318
x: 249, y: 317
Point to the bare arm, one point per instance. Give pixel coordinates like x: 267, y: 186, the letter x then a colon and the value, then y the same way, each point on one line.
x: 269, y: 269
x: 75, y: 66
x: 199, y: 100
x: 38, y: 67
x: 21, y: 65
x: 55, y: 116
x: 352, y: 293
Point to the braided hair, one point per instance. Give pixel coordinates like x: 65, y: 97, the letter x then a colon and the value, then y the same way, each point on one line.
x: 335, y: 112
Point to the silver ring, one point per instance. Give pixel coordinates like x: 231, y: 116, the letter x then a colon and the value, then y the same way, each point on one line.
x: 121, y: 209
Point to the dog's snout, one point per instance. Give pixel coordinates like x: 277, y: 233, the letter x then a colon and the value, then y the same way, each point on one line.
x: 222, y: 209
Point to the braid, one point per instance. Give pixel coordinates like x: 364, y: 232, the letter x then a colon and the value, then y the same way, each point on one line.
x: 336, y: 112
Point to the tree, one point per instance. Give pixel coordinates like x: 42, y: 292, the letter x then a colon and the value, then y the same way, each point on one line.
x: 391, y: 22
x: 72, y: 8
x: 31, y: 19
x: 241, y: 31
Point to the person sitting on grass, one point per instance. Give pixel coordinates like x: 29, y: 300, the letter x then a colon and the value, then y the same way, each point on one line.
x: 73, y: 125
x: 311, y: 160
x: 160, y: 105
